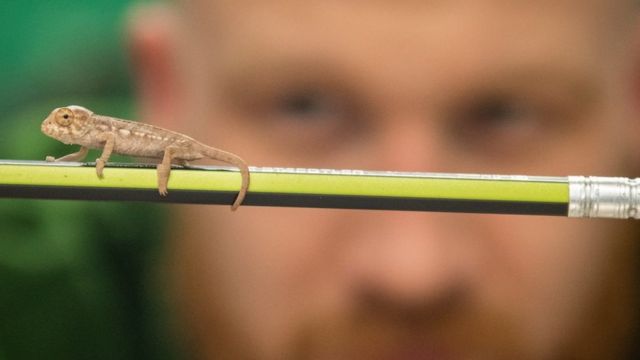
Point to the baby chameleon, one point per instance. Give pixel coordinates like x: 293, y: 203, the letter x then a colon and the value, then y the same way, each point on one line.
x: 77, y: 125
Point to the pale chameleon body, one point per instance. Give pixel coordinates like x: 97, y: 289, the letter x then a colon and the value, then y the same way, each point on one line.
x: 77, y: 125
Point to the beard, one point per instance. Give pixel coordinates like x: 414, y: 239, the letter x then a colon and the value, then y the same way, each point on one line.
x: 455, y: 327
x: 459, y: 324
x: 452, y: 328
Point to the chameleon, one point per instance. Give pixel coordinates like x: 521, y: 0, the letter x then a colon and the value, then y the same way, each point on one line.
x: 76, y: 125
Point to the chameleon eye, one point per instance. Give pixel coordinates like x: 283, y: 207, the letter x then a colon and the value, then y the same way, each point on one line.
x: 64, y: 117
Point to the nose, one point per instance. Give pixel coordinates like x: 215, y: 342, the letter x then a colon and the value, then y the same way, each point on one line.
x: 406, y: 260
x: 406, y: 141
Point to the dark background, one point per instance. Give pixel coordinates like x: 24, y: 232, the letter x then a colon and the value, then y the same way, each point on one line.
x: 77, y: 279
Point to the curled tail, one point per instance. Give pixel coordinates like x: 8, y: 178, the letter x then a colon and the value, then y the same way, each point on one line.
x: 229, y: 158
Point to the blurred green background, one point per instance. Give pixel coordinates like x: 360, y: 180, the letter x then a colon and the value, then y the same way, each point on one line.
x: 76, y: 278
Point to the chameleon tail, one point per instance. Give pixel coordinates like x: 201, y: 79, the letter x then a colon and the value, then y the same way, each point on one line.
x: 235, y: 160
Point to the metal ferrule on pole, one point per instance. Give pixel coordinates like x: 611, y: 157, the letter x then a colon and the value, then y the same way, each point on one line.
x: 604, y: 197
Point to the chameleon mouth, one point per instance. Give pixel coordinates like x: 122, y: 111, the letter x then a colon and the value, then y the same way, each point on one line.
x: 46, y: 128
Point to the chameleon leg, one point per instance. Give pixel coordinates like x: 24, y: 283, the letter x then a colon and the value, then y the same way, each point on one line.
x: 109, y: 141
x: 164, y: 169
x: 76, y: 156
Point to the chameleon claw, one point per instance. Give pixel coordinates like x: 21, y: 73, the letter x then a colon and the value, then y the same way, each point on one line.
x: 99, y: 168
x: 163, y: 191
x: 50, y: 159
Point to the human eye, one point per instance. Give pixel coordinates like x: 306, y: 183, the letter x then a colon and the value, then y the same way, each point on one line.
x: 502, y: 125
x: 503, y: 117
x: 306, y: 108
x: 307, y: 118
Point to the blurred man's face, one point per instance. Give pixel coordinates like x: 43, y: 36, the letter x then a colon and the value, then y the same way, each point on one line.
x: 539, y: 88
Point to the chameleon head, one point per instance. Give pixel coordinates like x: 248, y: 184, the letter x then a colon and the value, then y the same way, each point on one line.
x: 67, y: 124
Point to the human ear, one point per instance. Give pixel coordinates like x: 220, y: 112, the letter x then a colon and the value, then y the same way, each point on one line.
x: 152, y: 42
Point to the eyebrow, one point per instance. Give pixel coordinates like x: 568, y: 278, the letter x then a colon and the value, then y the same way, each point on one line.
x: 581, y: 84
x: 270, y: 72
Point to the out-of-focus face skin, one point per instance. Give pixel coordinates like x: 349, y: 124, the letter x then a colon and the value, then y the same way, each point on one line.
x: 539, y: 88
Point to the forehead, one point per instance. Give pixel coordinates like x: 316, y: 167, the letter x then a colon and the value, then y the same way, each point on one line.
x: 333, y: 22
x: 228, y: 11
x: 409, y: 33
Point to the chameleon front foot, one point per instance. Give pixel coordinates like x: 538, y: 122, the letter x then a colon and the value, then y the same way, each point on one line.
x: 50, y: 158
x: 162, y: 190
x: 100, y: 167
x: 163, y: 179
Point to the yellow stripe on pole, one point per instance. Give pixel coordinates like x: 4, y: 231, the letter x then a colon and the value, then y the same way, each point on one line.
x: 412, y: 187
x: 295, y: 182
